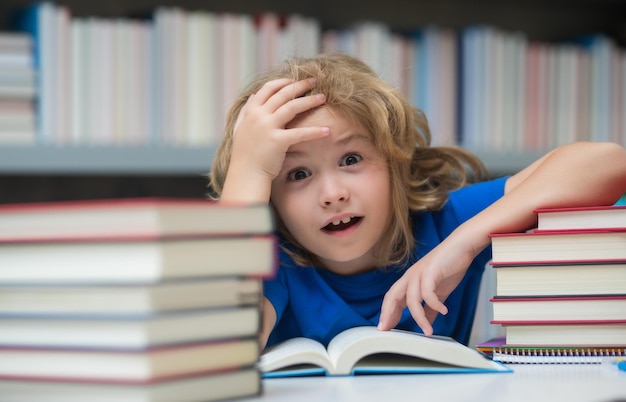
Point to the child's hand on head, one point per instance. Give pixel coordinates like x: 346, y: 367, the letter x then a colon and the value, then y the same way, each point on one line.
x: 261, y: 138
x: 429, y: 280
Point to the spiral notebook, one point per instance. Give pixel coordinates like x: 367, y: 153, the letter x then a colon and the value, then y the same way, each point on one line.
x: 499, y: 351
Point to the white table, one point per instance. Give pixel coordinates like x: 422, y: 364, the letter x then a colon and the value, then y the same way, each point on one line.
x: 528, y: 383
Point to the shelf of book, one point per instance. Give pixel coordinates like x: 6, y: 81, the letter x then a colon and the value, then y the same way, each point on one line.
x: 165, y: 160
x: 109, y: 160
x: 183, y: 98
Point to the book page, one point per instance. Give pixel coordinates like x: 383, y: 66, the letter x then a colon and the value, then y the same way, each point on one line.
x: 299, y: 352
x: 347, y: 348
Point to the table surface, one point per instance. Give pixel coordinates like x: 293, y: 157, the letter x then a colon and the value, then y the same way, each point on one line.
x: 536, y: 383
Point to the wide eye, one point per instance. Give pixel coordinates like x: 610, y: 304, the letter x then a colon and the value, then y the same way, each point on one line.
x: 351, y: 159
x: 298, y: 174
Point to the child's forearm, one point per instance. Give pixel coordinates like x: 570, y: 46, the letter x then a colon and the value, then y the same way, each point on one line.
x: 244, y: 185
x: 575, y: 175
x: 579, y: 174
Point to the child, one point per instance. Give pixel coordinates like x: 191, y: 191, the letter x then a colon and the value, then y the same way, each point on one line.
x: 372, y: 218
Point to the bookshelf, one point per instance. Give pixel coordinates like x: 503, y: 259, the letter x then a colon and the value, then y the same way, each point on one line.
x: 553, y: 21
x: 548, y: 20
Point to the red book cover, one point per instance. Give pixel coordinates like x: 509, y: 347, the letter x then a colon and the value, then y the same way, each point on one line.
x: 574, y: 209
x: 556, y: 263
x: 556, y: 322
x: 537, y: 232
x: 499, y: 299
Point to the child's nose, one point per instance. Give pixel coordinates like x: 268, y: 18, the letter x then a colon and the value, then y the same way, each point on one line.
x: 333, y: 191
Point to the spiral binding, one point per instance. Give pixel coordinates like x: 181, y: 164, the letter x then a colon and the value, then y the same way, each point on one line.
x: 555, y: 356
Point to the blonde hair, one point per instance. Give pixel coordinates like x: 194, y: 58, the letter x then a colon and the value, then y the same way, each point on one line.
x: 421, y: 176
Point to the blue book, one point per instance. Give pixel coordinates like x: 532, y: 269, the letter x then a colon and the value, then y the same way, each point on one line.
x: 39, y: 20
x: 366, y: 350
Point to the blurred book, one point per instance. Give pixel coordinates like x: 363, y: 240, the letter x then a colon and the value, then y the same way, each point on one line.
x: 211, y: 386
x: 126, y: 218
x: 128, y: 332
x: 18, y: 88
x: 126, y: 366
x: 129, y: 299
x: 145, y: 299
x: 135, y: 261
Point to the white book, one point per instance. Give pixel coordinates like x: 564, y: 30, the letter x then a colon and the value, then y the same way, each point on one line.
x: 127, y: 299
x: 131, y: 333
x: 202, y: 79
x: 16, y: 42
x: 132, y: 367
x: 366, y: 350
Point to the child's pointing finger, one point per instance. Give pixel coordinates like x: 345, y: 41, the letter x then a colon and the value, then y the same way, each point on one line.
x: 393, y: 304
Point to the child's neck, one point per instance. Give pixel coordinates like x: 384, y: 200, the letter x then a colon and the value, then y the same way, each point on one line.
x: 353, y: 267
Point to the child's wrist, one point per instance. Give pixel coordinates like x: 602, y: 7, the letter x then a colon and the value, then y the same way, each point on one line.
x: 472, y: 236
x: 250, y: 187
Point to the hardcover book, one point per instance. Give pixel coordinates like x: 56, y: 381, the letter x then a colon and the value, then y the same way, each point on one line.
x: 136, y: 261
x: 131, y: 300
x: 213, y: 386
x: 130, y: 218
x: 563, y: 246
x: 597, y: 334
x: 598, y: 217
x: 574, y: 309
x: 129, y: 332
x: 126, y: 366
x: 560, y: 278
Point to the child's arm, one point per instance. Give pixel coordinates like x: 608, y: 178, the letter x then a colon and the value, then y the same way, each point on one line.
x: 579, y: 174
x: 261, y: 139
x: 268, y: 320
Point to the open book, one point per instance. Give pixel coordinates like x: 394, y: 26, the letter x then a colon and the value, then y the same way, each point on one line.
x: 366, y: 350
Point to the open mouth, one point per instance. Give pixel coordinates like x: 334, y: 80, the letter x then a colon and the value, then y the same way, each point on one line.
x: 342, y: 224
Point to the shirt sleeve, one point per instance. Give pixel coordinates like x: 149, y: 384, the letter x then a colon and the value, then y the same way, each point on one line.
x: 470, y: 200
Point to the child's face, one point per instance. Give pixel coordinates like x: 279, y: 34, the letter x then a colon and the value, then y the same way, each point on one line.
x: 333, y: 194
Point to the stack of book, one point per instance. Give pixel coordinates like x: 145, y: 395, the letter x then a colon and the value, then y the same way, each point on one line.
x: 17, y: 89
x: 136, y: 299
x: 561, y: 288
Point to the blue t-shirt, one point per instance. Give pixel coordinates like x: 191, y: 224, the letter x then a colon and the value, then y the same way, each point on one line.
x: 318, y: 304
